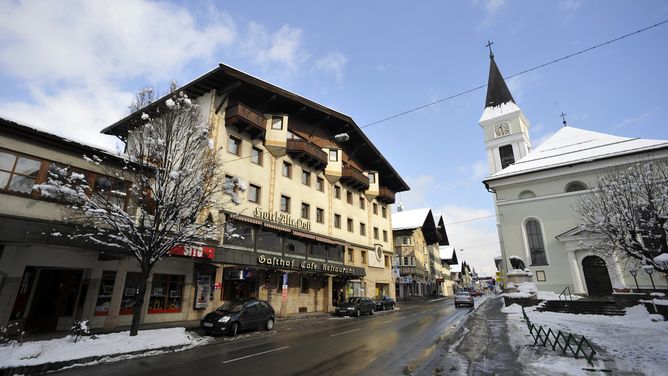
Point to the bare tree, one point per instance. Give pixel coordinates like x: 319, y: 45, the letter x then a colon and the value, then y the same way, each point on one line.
x: 172, y: 178
x: 627, y: 212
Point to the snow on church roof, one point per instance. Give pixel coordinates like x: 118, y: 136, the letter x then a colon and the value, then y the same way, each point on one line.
x: 409, y: 219
x: 573, y: 145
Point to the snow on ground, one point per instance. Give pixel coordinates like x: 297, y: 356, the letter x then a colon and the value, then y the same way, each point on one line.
x: 64, y: 349
x: 634, y: 342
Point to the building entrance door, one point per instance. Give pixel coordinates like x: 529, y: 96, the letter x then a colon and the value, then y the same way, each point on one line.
x: 596, y: 276
x: 55, y: 297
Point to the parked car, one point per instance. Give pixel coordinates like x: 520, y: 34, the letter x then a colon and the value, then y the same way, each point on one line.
x: 476, y: 293
x: 383, y: 302
x: 464, y: 298
x: 237, y: 315
x: 355, y: 306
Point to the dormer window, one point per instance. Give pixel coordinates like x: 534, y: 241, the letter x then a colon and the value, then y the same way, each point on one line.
x: 277, y: 122
x: 372, y: 177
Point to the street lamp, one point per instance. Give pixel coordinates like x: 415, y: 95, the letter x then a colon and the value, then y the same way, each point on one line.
x: 634, y: 273
x: 649, y: 269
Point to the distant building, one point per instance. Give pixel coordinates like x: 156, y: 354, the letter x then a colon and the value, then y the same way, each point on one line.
x: 535, y: 191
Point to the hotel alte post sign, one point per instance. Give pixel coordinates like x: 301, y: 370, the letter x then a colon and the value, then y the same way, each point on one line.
x: 282, y: 219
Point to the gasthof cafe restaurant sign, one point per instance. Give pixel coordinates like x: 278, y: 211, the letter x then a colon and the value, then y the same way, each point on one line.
x: 303, y: 265
x: 282, y: 219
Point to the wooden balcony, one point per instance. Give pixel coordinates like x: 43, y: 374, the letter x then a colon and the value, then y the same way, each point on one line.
x: 246, y: 120
x: 307, y: 153
x: 354, y: 178
x: 385, y: 195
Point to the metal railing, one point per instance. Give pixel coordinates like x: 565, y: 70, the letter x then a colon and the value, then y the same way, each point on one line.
x: 563, y: 292
x: 565, y: 341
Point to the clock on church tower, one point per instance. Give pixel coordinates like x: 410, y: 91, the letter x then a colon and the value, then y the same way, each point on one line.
x: 502, y: 129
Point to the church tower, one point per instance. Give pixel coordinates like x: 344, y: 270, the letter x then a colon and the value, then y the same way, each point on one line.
x: 505, y: 127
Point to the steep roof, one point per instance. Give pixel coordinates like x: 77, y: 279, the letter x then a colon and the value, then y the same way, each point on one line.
x: 497, y: 90
x: 409, y: 219
x: 442, y: 234
x: 572, y: 145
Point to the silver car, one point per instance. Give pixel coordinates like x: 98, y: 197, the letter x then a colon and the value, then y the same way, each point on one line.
x: 464, y: 298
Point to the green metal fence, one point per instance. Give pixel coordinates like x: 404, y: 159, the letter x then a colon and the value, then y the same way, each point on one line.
x: 565, y: 341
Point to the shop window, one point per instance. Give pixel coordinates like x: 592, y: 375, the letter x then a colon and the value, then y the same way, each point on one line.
x: 256, y: 156
x: 130, y: 291
x: 320, y: 215
x: 18, y: 173
x: 362, y: 202
x: 318, y: 250
x: 375, y: 233
x: 320, y: 184
x: 384, y: 211
x: 294, y: 246
x: 335, y: 253
x: 306, y: 178
x: 234, y: 145
x: 268, y: 240
x: 303, y: 286
x: 254, y: 193
x: 239, y: 234
x: 166, y: 293
x: 349, y: 197
x: 285, y: 204
x: 306, y: 210
x: 287, y: 170
x: 337, y: 221
x: 104, y: 293
x: 337, y: 192
x: 375, y: 208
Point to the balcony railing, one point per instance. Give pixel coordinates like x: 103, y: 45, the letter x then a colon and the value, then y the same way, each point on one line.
x: 354, y: 178
x: 385, y: 195
x: 245, y: 119
x: 307, y: 153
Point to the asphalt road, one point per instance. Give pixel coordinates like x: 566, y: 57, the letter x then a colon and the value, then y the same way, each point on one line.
x: 386, y: 343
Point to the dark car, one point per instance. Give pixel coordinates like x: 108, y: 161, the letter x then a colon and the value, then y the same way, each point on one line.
x: 383, y: 302
x: 355, y: 306
x: 237, y: 315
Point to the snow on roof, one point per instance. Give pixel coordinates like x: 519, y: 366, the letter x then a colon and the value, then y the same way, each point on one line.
x: 409, y: 219
x: 456, y: 268
x: 573, y: 145
x: 500, y: 110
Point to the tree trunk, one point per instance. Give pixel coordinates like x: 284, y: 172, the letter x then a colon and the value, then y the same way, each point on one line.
x: 138, y: 307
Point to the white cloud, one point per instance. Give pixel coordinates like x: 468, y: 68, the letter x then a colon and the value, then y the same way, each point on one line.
x: 281, y: 51
x: 333, y: 63
x: 634, y: 120
x: 491, y: 8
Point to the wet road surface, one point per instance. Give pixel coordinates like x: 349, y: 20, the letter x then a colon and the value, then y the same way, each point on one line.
x: 386, y: 343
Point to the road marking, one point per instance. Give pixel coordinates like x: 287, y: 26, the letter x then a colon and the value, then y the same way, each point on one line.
x: 349, y: 331
x: 252, y: 355
x: 385, y: 322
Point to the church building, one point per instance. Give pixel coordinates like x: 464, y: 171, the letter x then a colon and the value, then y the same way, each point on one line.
x: 535, y: 191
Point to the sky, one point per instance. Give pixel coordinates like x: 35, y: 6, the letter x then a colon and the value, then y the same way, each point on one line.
x: 72, y: 68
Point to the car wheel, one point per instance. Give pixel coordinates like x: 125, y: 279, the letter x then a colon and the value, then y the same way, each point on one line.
x: 371, y: 311
x: 234, y: 329
x: 357, y: 313
x: 392, y: 307
x: 269, y: 325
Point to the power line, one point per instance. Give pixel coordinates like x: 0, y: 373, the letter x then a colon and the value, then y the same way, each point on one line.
x: 515, y: 75
x: 470, y: 220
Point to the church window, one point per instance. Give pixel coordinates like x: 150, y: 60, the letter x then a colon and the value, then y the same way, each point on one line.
x: 506, y: 155
x: 576, y: 186
x: 535, y: 242
x: 527, y: 194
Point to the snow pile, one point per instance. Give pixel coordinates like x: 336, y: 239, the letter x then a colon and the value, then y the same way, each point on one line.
x: 549, y: 295
x: 635, y: 342
x: 520, y: 272
x: 64, y: 349
x: 524, y: 290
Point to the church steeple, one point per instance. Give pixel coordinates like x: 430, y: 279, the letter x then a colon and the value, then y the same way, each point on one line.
x: 505, y: 126
x: 497, y: 90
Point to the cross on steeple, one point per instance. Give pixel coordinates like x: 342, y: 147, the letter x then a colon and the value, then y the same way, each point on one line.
x: 489, y: 45
x: 563, y: 117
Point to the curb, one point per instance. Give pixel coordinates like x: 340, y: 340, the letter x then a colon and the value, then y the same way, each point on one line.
x: 38, y: 369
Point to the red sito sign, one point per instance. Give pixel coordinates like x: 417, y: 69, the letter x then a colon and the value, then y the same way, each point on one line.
x: 193, y: 251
